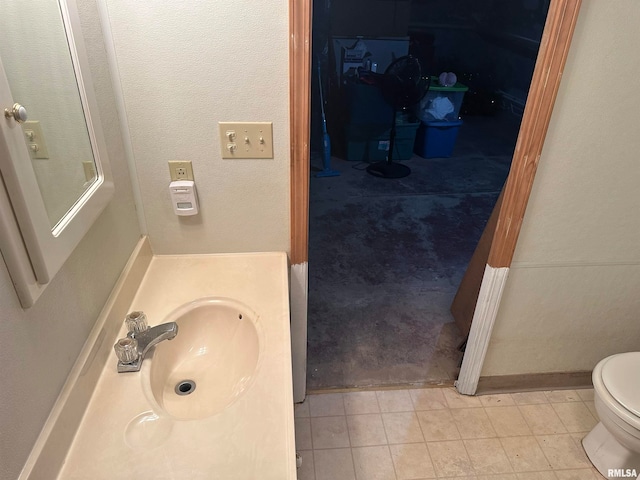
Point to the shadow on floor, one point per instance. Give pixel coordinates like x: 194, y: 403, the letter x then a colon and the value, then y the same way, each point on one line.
x: 386, y: 258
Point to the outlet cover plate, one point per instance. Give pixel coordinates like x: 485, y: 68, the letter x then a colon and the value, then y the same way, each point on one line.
x: 246, y: 139
x: 180, y: 170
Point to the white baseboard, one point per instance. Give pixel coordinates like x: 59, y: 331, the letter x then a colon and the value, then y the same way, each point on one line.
x: 299, y: 294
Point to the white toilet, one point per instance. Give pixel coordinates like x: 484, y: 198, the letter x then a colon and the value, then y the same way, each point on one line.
x: 613, y: 446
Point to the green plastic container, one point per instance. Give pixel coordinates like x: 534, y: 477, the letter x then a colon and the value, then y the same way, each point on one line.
x: 455, y: 94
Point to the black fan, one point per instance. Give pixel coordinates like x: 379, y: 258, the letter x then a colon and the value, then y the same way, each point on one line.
x: 402, y: 85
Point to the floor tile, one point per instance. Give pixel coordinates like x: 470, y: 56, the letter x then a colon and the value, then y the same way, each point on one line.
x: 575, y: 416
x: 585, y: 394
x: 301, y: 410
x: 562, y: 396
x: 303, y: 434
x: 428, y: 399
x: 455, y: 400
x: 306, y: 470
x: 412, y: 461
x: 326, y: 405
x: 542, y: 419
x: 562, y: 452
x: 525, y: 454
x: 473, y: 423
x: 592, y: 408
x: 450, y: 458
x: 356, y: 403
x: 487, y: 456
x: 438, y: 425
x: 536, y: 476
x: 529, y: 398
x: 365, y: 430
x: 402, y: 427
x: 378, y: 435
x: 394, y: 401
x: 577, y: 439
x: 335, y: 464
x: 580, y: 474
x: 499, y: 400
x: 373, y: 463
x: 329, y: 432
x: 508, y: 421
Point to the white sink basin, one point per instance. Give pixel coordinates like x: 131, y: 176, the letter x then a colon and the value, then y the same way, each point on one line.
x: 209, y: 364
x: 237, y: 423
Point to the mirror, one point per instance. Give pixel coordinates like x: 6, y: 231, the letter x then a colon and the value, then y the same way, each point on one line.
x: 54, y: 170
x: 36, y: 59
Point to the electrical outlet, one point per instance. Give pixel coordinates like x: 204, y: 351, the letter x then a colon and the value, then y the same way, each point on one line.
x: 180, y: 170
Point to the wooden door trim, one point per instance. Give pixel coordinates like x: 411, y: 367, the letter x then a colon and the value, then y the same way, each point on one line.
x: 552, y: 56
x: 497, y: 245
x: 300, y: 125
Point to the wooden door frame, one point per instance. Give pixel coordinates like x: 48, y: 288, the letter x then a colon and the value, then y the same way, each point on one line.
x: 300, y: 125
x: 552, y: 55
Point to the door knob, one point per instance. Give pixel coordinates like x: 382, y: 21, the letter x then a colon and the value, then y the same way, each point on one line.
x: 17, y: 112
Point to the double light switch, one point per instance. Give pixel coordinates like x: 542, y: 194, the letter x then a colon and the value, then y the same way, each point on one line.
x: 35, y: 139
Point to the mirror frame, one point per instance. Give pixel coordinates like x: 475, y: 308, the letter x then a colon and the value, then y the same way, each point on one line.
x: 33, y: 251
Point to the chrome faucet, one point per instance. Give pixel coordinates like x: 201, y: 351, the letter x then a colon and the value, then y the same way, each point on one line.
x: 132, y: 349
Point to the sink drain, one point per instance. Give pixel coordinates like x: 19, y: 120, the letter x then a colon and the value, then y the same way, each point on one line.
x: 185, y: 387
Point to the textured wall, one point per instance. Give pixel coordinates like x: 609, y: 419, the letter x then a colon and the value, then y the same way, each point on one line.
x: 572, y: 294
x: 185, y: 66
x: 38, y: 346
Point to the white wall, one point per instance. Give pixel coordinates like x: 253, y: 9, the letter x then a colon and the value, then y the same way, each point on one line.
x: 38, y: 346
x: 185, y: 66
x: 573, y: 293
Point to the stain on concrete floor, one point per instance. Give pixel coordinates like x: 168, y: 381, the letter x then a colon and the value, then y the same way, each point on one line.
x: 386, y: 257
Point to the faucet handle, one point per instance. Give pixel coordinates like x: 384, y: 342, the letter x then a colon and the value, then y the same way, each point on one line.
x: 136, y: 322
x: 127, y: 350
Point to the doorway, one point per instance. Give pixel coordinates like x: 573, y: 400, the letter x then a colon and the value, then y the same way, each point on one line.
x: 556, y: 39
x: 386, y: 256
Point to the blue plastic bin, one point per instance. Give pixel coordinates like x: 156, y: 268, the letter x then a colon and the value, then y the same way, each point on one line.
x: 436, y: 139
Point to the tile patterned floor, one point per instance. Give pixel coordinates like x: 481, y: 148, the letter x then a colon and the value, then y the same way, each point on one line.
x: 437, y: 433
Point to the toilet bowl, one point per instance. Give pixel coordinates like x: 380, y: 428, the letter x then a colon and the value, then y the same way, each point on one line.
x: 613, y: 446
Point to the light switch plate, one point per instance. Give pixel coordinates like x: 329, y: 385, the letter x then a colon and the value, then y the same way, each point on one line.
x: 246, y: 139
x: 35, y: 139
x: 89, y: 169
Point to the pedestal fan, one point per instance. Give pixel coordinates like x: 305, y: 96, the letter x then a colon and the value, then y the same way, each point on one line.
x: 402, y: 86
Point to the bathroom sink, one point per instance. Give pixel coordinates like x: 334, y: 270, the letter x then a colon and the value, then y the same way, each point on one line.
x: 209, y: 364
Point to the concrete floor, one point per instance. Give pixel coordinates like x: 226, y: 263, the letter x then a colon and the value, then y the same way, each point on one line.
x: 386, y: 258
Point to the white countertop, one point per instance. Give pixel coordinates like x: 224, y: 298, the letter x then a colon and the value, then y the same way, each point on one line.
x: 252, y: 439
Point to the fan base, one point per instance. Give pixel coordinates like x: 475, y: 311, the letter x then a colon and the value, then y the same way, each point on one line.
x: 388, y: 170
